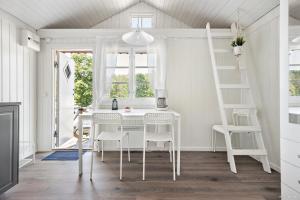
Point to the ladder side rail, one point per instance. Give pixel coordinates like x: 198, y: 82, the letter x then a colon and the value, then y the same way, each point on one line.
x: 216, y: 78
x: 253, y: 113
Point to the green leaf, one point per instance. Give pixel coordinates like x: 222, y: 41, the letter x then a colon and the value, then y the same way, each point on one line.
x: 83, y: 90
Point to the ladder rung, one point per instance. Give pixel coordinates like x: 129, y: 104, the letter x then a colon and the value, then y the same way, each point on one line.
x: 234, y: 86
x: 222, y: 51
x: 230, y: 67
x: 237, y: 129
x: 251, y: 152
x: 239, y: 106
x: 244, y: 129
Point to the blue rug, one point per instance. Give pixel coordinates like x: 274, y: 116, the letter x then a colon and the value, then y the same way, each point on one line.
x: 63, y: 155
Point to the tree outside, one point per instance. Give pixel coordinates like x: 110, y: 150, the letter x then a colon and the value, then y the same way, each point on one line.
x: 143, y: 86
x: 294, y: 87
x: 83, y: 90
x: 120, y: 87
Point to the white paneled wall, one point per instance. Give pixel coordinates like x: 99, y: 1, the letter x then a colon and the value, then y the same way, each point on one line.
x: 188, y: 61
x: 18, y: 79
x: 123, y: 19
x: 263, y: 62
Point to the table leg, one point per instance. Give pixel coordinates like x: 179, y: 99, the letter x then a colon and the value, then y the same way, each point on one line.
x: 178, y: 144
x: 80, y: 145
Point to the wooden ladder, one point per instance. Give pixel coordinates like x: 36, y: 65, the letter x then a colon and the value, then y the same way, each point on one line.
x: 245, y: 104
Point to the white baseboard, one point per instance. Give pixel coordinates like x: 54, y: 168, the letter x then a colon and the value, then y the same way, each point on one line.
x: 275, y: 167
x: 182, y: 149
x: 272, y: 165
x: 202, y: 148
x: 24, y: 162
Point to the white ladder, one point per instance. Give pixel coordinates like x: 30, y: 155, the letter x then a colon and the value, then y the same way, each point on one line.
x: 245, y: 103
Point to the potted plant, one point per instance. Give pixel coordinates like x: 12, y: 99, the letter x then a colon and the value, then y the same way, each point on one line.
x: 237, y: 45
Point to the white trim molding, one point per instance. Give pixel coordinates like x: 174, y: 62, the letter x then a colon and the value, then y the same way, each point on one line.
x: 167, y: 33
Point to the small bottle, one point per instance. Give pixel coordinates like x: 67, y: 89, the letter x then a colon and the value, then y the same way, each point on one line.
x: 114, y: 104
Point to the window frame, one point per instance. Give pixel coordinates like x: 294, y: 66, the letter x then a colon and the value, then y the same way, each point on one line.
x: 132, y: 100
x: 294, y: 100
x: 142, y: 15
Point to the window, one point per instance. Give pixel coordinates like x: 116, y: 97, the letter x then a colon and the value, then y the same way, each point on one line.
x: 67, y: 71
x: 130, y: 74
x: 294, y: 75
x: 141, y: 21
x: 117, y: 74
x: 144, y: 74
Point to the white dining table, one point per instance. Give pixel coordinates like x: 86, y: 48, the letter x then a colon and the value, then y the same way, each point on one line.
x: 136, y: 114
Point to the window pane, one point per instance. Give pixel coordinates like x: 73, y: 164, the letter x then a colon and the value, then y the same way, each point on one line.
x: 119, y: 90
x: 294, y: 57
x: 117, y: 82
x: 134, y: 22
x: 111, y: 59
x: 123, y: 59
x: 144, y: 82
x: 141, y: 59
x: 294, y: 83
x: 147, y: 22
x: 151, y: 60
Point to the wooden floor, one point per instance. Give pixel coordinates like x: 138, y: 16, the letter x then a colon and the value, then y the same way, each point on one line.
x: 204, y: 176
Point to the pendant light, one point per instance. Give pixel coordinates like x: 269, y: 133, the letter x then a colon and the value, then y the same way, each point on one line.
x: 138, y: 37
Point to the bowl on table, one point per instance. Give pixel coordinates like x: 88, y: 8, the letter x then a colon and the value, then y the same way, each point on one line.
x: 127, y: 109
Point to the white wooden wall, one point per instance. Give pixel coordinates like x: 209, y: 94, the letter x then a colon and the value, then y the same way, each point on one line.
x: 18, y: 79
x: 262, y: 59
x: 188, y: 61
x: 123, y: 19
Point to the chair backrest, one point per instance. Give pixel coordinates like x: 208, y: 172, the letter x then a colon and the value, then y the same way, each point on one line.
x: 107, y: 118
x: 159, y: 118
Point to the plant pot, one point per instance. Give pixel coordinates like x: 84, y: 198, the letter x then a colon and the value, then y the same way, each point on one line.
x: 237, y: 51
x: 81, y: 110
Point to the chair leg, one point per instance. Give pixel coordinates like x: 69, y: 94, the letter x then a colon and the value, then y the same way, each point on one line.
x: 92, y: 160
x: 213, y: 140
x: 121, y: 159
x: 170, y: 151
x: 102, y: 151
x: 128, y: 147
x: 173, y: 154
x: 98, y: 146
x: 144, y: 155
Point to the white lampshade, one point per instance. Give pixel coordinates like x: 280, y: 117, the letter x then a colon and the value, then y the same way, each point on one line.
x: 138, y: 38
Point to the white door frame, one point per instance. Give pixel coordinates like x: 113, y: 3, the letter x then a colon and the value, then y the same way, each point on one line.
x: 54, y: 50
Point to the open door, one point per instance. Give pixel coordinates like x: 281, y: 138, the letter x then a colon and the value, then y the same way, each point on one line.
x: 64, y: 99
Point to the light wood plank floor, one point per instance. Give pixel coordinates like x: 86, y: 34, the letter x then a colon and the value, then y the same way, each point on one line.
x: 205, y: 175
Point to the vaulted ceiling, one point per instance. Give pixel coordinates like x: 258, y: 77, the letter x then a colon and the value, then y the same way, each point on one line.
x: 87, y: 13
x: 295, y: 8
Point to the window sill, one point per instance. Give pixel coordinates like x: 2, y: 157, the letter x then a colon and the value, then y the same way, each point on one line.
x: 294, y: 101
x: 134, y: 103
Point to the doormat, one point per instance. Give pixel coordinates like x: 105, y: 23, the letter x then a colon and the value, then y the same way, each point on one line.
x: 63, y: 155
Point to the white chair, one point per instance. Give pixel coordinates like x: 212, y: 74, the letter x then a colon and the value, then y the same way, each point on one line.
x: 237, y: 114
x: 159, y: 119
x: 111, y: 119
